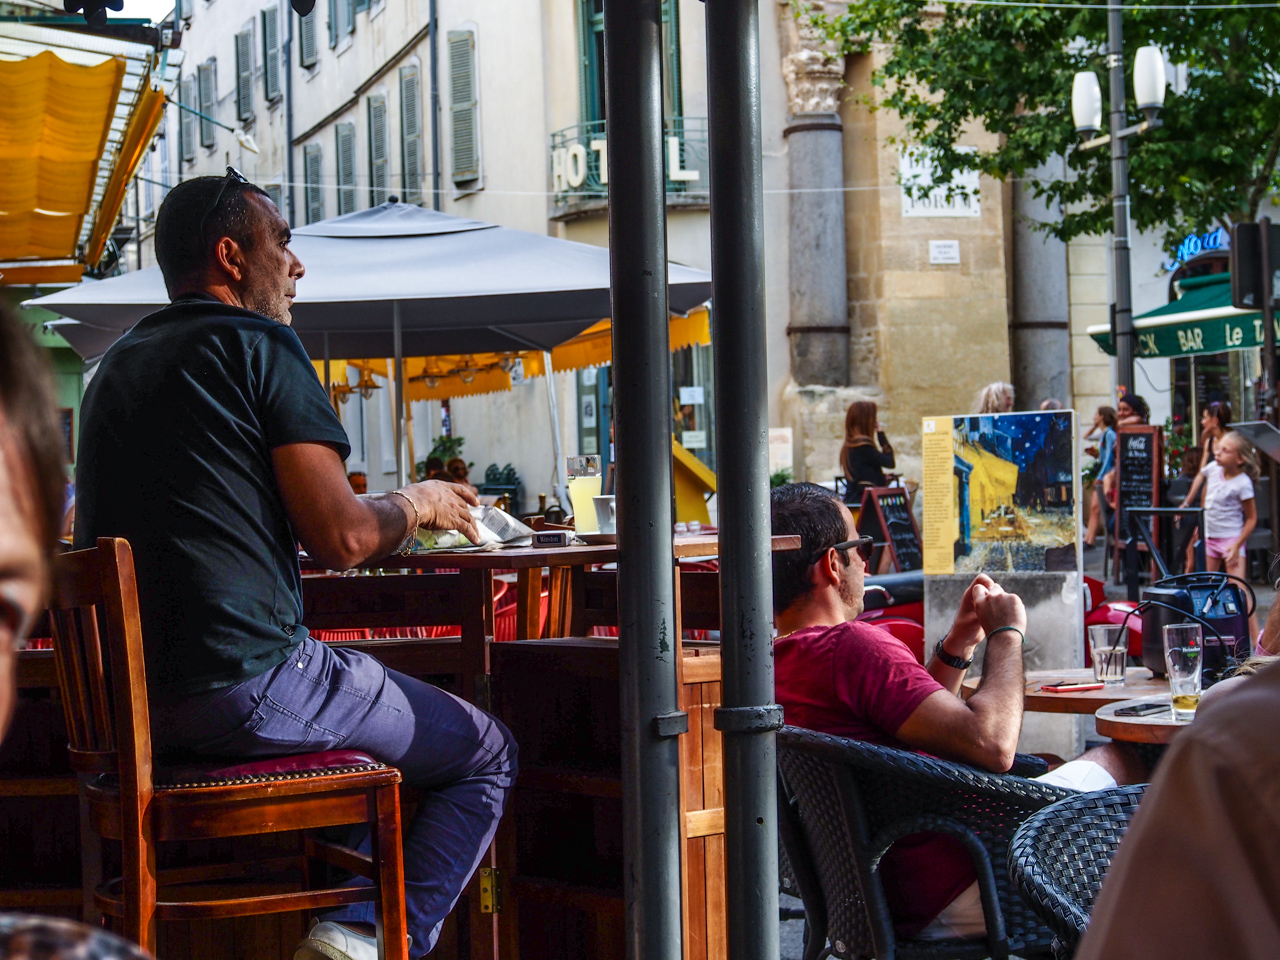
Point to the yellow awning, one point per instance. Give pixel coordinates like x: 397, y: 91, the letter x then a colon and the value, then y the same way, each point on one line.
x: 442, y: 377
x: 146, y: 117
x: 54, y: 121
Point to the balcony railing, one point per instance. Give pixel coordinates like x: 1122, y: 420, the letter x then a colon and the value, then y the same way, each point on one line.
x: 579, y: 163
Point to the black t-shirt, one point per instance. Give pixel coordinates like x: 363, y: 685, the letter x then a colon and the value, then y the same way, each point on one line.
x: 177, y: 429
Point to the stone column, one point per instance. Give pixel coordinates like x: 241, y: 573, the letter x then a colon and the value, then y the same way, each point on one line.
x: 819, y: 325
x: 1040, y: 321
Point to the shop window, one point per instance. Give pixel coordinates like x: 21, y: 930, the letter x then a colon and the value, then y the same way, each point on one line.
x: 595, y: 414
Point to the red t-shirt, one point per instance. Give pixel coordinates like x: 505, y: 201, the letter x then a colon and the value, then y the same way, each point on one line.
x: 858, y: 681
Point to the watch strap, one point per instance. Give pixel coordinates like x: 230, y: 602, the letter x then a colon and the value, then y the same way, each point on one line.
x: 951, y: 661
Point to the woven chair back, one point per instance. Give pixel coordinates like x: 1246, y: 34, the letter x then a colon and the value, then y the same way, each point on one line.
x: 1059, y: 856
x: 851, y: 794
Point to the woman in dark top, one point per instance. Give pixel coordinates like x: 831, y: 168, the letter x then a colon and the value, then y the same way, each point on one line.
x: 863, y: 461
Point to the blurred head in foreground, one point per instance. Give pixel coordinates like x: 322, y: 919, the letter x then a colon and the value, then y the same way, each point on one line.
x: 32, y: 485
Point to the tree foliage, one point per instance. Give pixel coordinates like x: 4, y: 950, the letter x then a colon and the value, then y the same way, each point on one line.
x: 952, y: 68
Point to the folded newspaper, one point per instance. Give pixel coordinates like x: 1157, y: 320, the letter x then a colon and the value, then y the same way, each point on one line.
x: 498, y: 529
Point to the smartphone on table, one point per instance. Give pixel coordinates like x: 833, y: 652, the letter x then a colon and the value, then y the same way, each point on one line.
x: 1142, y: 709
x: 1070, y: 686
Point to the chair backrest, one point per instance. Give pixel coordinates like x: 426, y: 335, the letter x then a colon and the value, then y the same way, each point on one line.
x: 1060, y: 855
x: 852, y: 797
x: 97, y: 632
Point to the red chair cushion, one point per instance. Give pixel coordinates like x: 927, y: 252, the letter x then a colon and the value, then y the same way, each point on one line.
x: 215, y: 770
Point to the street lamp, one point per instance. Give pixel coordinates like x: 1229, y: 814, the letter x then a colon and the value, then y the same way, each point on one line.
x: 1086, y: 110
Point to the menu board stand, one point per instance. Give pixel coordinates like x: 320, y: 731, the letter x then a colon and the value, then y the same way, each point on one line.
x: 897, y: 532
x: 1140, y: 460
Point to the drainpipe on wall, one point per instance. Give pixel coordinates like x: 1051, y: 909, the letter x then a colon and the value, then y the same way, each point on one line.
x: 288, y: 113
x: 435, y: 110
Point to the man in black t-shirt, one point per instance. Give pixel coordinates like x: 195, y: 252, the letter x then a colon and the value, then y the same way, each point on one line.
x: 208, y: 443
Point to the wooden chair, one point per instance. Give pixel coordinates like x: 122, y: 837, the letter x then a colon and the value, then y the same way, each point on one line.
x: 98, y: 644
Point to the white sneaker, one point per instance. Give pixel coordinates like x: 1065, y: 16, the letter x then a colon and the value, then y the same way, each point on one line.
x: 333, y: 941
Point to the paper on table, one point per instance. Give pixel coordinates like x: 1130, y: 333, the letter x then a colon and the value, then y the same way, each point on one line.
x: 498, y: 529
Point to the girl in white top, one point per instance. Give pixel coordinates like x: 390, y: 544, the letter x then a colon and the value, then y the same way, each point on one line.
x: 1230, y: 513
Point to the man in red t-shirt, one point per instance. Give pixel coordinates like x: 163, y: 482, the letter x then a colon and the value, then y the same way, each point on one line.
x: 853, y: 679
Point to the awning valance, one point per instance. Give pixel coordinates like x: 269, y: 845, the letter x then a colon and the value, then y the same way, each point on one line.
x: 1201, y: 321
x: 441, y: 378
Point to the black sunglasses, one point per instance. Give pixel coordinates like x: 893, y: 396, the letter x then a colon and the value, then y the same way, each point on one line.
x: 864, y: 546
x: 233, y: 176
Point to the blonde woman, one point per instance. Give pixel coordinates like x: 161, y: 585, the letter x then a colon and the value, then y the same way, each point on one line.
x: 994, y: 398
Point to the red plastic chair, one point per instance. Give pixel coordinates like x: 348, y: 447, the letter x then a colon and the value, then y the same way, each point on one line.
x: 342, y: 636
x: 908, y: 631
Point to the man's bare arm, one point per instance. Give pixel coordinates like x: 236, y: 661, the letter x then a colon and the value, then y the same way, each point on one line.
x: 339, y: 529
x: 983, y: 730
x: 962, y: 639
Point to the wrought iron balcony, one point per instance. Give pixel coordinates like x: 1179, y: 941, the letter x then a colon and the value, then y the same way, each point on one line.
x: 579, y: 165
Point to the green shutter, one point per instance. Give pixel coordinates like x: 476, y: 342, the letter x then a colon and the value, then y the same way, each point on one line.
x: 348, y: 16
x: 307, y: 52
x: 463, y: 106
x: 346, y: 144
x: 187, y: 120
x: 315, y: 189
x: 411, y: 135
x: 333, y: 22
x: 208, y: 103
x: 271, y: 53
x: 276, y: 193
x: 244, y: 75
x: 379, y: 164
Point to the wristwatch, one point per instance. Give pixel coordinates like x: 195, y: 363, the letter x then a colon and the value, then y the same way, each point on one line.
x: 941, y: 653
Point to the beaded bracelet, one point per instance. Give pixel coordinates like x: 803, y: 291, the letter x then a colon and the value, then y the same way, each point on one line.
x: 407, y: 548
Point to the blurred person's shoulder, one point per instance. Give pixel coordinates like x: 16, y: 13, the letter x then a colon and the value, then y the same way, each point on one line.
x: 27, y: 937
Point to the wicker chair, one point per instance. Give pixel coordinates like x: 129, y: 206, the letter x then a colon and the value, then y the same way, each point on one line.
x: 853, y: 800
x: 1059, y: 856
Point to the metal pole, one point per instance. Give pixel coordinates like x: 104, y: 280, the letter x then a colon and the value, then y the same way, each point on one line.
x: 435, y: 107
x: 397, y: 408
x: 288, y: 117
x: 749, y: 715
x: 553, y: 406
x: 328, y: 380
x: 1120, y: 203
x: 1269, y: 365
x: 648, y: 643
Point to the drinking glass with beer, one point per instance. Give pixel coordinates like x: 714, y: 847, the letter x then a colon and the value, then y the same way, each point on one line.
x: 1183, y: 647
x: 584, y: 486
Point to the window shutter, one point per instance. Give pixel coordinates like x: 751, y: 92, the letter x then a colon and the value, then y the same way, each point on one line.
x: 333, y: 22
x: 348, y: 16
x: 244, y: 75
x: 208, y: 133
x: 315, y: 190
x: 362, y: 5
x: 307, y: 52
x: 271, y: 53
x: 187, y: 120
x: 346, y: 135
x: 462, y: 106
x: 379, y: 165
x: 276, y: 193
x: 411, y: 135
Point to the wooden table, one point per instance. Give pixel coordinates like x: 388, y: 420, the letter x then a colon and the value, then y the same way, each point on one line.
x: 1153, y: 728
x: 1138, y: 683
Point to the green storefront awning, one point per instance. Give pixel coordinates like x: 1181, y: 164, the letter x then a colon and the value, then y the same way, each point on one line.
x: 1202, y: 320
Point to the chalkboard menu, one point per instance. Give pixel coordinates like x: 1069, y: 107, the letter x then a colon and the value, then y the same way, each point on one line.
x: 1139, y: 457
x: 886, y: 515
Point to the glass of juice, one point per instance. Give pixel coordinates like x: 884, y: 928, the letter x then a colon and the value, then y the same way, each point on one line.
x: 1183, y: 646
x: 585, y: 482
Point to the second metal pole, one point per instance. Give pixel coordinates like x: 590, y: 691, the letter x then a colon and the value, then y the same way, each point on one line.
x: 397, y: 409
x: 749, y: 715
x: 1120, y: 203
x: 648, y: 642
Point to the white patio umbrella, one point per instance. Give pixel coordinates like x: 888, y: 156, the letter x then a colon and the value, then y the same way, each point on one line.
x: 399, y: 280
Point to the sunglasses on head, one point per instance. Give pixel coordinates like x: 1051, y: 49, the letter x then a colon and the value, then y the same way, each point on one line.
x: 233, y: 176
x: 864, y: 546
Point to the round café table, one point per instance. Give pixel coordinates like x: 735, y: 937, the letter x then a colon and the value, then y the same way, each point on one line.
x: 1158, y: 728
x: 1138, y: 683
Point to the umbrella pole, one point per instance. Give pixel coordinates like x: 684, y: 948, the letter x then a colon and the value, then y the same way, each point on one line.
x: 328, y: 380
x: 649, y: 641
x: 402, y: 474
x: 553, y: 405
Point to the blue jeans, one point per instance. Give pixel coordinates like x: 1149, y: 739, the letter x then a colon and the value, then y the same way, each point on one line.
x: 327, y: 698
